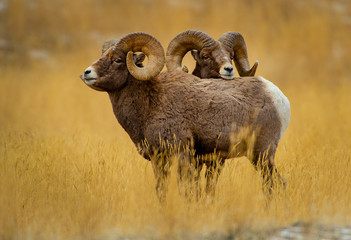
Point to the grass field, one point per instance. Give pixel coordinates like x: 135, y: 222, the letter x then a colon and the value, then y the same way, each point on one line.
x: 69, y: 171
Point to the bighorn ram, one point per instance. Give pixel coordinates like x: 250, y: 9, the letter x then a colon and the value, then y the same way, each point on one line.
x: 175, y: 110
x: 213, y: 58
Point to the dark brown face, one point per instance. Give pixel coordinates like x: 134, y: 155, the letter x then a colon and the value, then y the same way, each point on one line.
x: 110, y: 72
x: 214, y: 62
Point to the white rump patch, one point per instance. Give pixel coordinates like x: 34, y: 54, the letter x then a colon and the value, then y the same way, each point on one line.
x: 281, y: 103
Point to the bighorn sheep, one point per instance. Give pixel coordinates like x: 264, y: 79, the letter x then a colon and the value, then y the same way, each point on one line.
x: 173, y: 108
x: 213, y: 58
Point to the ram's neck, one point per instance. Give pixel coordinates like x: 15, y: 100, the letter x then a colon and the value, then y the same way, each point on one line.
x: 196, y: 71
x: 131, y: 106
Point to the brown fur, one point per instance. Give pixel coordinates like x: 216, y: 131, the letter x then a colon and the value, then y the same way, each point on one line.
x: 209, y: 60
x: 182, y: 106
x: 183, y: 110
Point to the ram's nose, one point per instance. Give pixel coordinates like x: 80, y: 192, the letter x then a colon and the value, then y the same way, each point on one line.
x: 227, y: 71
x: 89, y: 74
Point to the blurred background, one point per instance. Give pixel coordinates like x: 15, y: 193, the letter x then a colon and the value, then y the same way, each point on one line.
x: 69, y: 171
x: 297, y: 37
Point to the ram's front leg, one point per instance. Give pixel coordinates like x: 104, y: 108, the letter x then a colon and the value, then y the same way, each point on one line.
x: 189, y: 177
x: 161, y: 165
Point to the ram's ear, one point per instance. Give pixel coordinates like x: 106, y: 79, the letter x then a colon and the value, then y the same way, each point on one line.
x: 107, y: 44
x: 196, y: 55
x: 138, y: 58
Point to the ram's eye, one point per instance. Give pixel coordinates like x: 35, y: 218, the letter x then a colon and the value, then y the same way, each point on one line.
x: 118, y: 60
x: 205, y: 57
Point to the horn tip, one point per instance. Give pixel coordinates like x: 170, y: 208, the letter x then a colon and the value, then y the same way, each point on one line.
x: 185, y: 69
x: 254, y: 68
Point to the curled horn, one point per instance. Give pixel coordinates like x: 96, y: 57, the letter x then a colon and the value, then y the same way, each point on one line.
x: 150, y: 46
x: 235, y: 41
x: 184, y: 42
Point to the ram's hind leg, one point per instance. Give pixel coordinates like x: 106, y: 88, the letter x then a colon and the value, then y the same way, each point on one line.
x: 264, y: 161
x: 213, y: 170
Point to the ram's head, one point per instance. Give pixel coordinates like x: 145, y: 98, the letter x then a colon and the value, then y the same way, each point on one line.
x: 213, y: 58
x: 119, y: 60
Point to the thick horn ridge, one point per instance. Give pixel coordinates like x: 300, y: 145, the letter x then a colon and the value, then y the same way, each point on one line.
x: 184, y: 42
x: 150, y: 46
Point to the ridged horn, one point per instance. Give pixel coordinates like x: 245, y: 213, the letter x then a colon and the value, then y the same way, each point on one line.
x: 184, y: 42
x: 150, y: 46
x: 235, y: 41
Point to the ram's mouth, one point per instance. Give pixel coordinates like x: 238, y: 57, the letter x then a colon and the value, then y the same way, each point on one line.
x: 227, y: 76
x: 88, y: 81
x: 91, y: 82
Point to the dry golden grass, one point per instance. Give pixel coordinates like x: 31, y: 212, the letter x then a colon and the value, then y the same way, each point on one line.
x: 69, y: 171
